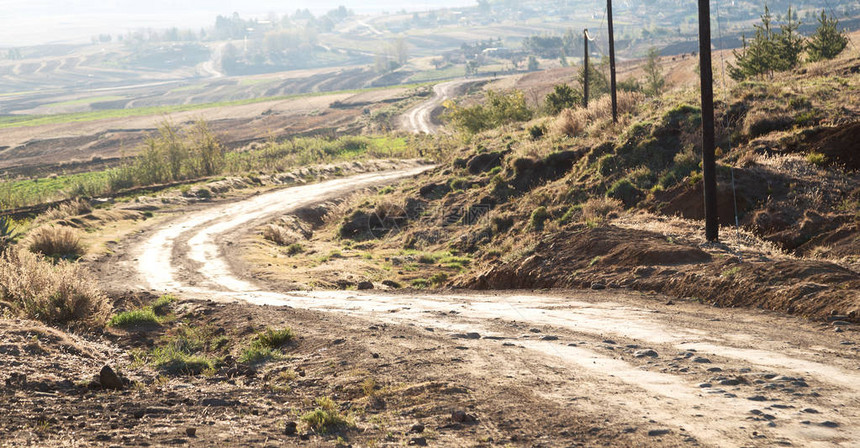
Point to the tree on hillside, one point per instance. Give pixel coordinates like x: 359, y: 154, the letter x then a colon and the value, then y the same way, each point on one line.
x: 828, y: 41
x: 769, y: 51
x: 757, y: 55
x: 562, y: 97
x: 788, y: 44
x: 533, y: 64
x: 598, y: 85
x: 654, y: 81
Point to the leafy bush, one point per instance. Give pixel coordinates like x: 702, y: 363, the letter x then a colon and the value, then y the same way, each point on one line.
x: 61, y: 293
x: 7, y: 232
x: 499, y: 108
x: 625, y: 191
x: 57, y: 242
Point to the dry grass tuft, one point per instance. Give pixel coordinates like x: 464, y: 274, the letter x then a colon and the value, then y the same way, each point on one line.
x: 62, y: 293
x: 76, y: 207
x: 572, y: 122
x: 279, y: 235
x: 56, y: 242
x: 598, y: 209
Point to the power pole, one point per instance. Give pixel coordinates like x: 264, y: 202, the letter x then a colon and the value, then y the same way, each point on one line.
x: 709, y: 171
x: 585, y: 73
x: 612, y: 62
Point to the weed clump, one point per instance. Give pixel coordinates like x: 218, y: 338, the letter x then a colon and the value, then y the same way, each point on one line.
x: 326, y: 418
x: 266, y: 345
x: 57, y: 242
x: 55, y: 293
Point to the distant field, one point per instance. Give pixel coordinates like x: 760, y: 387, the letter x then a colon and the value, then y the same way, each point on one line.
x: 88, y: 100
x: 15, y: 121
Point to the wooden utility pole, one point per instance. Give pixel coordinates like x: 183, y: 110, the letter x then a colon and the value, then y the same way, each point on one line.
x: 585, y: 67
x: 612, y: 62
x: 709, y: 171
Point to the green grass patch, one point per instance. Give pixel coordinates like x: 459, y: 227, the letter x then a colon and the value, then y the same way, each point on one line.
x: 172, y: 360
x: 161, y: 305
x: 134, y: 318
x: 266, y: 346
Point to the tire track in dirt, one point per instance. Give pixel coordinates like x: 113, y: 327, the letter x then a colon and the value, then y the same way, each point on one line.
x: 725, y: 377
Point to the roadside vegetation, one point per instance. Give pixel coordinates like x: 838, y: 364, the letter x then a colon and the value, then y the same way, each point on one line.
x: 182, y: 154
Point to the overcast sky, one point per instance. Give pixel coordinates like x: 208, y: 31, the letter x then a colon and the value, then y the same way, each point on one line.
x: 29, y: 22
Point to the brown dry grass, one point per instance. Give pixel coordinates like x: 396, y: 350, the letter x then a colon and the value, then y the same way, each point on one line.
x: 72, y: 208
x: 279, y: 235
x: 56, y: 242
x: 60, y: 294
x: 598, y: 209
x: 572, y: 122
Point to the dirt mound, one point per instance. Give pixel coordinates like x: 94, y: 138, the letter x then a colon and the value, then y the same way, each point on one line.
x: 686, y: 202
x: 840, y: 144
x: 610, y: 256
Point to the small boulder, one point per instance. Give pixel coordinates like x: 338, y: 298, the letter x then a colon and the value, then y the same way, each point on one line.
x: 108, y: 379
x: 645, y: 353
x: 191, y: 431
x: 365, y: 285
x: 290, y: 428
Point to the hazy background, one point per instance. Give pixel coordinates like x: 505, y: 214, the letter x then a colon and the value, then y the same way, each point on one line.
x: 35, y: 22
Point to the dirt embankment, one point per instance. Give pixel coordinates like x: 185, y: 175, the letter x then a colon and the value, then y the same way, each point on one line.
x: 617, y: 257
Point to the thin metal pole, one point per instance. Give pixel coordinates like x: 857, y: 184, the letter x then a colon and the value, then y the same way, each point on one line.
x: 709, y: 171
x: 612, y: 62
x: 585, y: 73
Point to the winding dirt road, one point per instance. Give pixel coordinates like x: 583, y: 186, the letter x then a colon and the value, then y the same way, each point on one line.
x: 419, y: 119
x: 713, y: 377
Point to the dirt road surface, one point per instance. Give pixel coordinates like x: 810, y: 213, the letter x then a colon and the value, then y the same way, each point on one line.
x: 699, y: 375
x: 420, y: 118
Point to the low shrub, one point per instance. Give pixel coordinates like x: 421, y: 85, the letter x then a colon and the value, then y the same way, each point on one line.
x: 624, y: 191
x: 816, y: 158
x: 62, y: 293
x: 538, y: 218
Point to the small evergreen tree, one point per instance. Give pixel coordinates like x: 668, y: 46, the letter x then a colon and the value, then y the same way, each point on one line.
x: 757, y: 56
x: 562, y: 97
x: 828, y: 41
x: 598, y: 85
x: 788, y: 44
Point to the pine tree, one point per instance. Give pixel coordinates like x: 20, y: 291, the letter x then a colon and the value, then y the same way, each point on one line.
x: 757, y: 56
x: 828, y: 41
x: 788, y: 44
